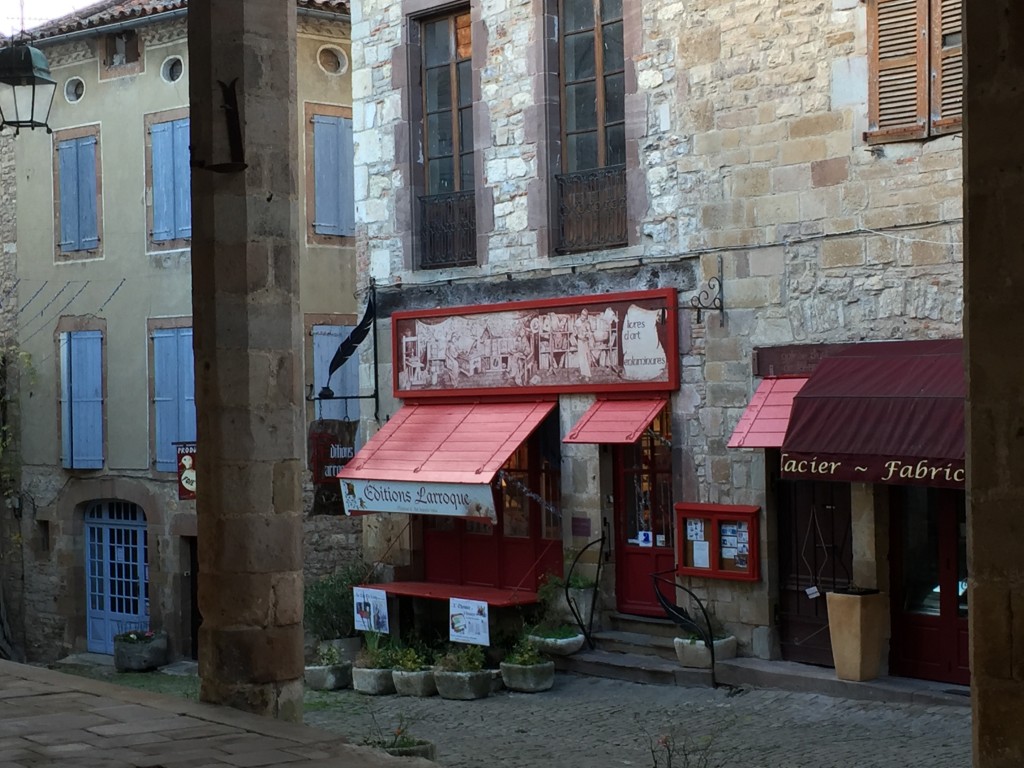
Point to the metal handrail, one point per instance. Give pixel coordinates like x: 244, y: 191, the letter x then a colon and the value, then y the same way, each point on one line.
x: 586, y: 628
x: 682, y: 618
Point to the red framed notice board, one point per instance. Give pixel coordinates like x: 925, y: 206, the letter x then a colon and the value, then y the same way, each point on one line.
x: 718, y: 541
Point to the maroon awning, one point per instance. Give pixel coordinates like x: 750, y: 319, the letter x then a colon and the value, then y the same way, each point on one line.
x: 885, y: 412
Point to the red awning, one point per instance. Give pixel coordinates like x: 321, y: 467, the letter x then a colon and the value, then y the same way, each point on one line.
x: 889, y: 412
x: 461, y: 443
x: 497, y: 596
x: 615, y: 421
x: 763, y: 424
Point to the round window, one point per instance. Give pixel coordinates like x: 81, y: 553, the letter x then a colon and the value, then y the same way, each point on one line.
x: 332, y: 60
x: 172, y: 69
x: 74, y: 89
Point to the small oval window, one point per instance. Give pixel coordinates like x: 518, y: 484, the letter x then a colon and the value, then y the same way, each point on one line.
x: 332, y: 60
x: 74, y: 89
x: 172, y: 69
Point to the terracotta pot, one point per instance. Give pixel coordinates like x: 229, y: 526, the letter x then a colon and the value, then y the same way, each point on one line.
x: 858, y: 624
x: 528, y: 678
x: 373, y: 682
x: 415, y: 683
x: 463, y: 686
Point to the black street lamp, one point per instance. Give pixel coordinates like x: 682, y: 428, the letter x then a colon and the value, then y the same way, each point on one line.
x: 26, y: 88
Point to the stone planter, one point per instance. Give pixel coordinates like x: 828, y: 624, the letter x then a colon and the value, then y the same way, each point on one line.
x: 693, y: 653
x: 140, y: 656
x: 330, y: 677
x: 373, y: 682
x: 422, y: 748
x: 528, y: 678
x: 415, y: 683
x: 348, y: 647
x: 463, y: 686
x: 858, y: 624
x: 557, y: 646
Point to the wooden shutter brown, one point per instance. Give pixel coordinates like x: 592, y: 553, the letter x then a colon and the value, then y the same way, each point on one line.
x: 898, y: 60
x: 947, y: 66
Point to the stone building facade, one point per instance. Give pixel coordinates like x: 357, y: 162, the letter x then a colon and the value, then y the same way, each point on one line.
x: 111, y: 543
x: 760, y: 165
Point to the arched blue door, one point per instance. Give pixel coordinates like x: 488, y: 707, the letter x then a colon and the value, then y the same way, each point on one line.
x: 117, y: 572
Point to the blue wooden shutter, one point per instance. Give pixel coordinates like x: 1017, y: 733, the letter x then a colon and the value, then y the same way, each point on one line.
x: 344, y: 382
x: 82, y: 399
x: 186, y: 387
x: 334, y: 164
x: 162, y: 142
x: 182, y: 181
x: 346, y: 193
x: 88, y: 228
x: 173, y: 393
x: 67, y: 156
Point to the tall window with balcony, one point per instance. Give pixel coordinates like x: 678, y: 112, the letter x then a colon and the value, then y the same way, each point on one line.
x: 592, y: 185
x: 448, y: 208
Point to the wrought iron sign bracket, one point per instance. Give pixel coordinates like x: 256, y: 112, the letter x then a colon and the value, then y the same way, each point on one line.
x: 710, y: 299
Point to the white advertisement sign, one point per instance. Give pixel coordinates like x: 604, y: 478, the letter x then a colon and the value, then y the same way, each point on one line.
x: 643, y: 356
x: 458, y: 499
x: 467, y: 622
x: 371, y: 610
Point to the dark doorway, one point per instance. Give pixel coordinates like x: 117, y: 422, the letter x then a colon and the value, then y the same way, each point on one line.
x: 193, y: 590
x: 815, y: 551
x: 929, y: 584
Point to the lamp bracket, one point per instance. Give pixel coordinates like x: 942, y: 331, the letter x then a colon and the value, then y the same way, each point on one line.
x: 710, y: 298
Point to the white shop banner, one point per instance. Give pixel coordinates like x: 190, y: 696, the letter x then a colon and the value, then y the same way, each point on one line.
x: 467, y: 621
x: 458, y: 499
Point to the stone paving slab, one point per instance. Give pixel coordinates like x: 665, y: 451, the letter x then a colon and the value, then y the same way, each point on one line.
x: 586, y: 722
x: 49, y: 718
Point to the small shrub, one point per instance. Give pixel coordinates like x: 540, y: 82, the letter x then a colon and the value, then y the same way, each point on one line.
x: 468, y: 658
x: 379, y: 653
x: 410, y: 659
x: 328, y: 605
x: 524, y: 653
x: 328, y: 656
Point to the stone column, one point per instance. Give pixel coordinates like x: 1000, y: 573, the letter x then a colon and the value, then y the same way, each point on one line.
x: 994, y: 332
x: 248, y: 342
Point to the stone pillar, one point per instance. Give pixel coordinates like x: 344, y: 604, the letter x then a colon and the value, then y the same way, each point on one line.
x: 994, y: 332
x: 248, y: 342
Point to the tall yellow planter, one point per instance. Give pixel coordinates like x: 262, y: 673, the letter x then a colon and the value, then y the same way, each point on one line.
x: 859, y: 625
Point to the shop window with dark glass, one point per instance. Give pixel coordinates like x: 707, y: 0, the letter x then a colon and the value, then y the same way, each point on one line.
x: 592, y: 185
x: 647, y: 495
x: 447, y: 212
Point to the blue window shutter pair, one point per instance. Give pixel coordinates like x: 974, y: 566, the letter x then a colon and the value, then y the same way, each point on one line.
x: 78, y: 211
x: 172, y: 180
x: 81, y: 370
x: 344, y: 382
x: 174, y: 393
x: 334, y: 206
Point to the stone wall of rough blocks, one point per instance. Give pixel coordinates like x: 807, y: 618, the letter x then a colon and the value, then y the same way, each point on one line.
x: 748, y: 119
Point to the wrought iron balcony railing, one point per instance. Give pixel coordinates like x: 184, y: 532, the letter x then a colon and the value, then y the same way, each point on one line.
x: 592, y: 209
x: 448, y: 230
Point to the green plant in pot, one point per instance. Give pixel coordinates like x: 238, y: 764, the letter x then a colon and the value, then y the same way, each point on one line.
x: 329, y: 611
x: 413, y: 675
x: 460, y: 673
x: 524, y: 669
x: 140, y: 650
x: 398, y: 740
x: 372, y: 673
x: 556, y: 633
x: 330, y: 672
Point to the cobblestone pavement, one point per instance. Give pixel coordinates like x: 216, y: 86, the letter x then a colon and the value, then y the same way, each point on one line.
x: 592, y: 723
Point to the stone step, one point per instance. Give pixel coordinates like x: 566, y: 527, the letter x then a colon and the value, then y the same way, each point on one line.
x: 645, y: 625
x: 636, y: 642
x: 632, y: 667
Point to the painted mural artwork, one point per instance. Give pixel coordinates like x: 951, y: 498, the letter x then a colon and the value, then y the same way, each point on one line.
x: 585, y: 345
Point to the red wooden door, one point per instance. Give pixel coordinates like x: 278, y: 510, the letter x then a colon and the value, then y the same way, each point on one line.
x: 928, y: 555
x: 815, y: 550
x: 644, y: 529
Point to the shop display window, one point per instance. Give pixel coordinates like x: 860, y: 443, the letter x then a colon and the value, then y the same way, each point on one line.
x: 718, y: 541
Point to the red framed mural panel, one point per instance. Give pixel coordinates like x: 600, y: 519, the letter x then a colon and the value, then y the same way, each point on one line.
x: 624, y: 342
